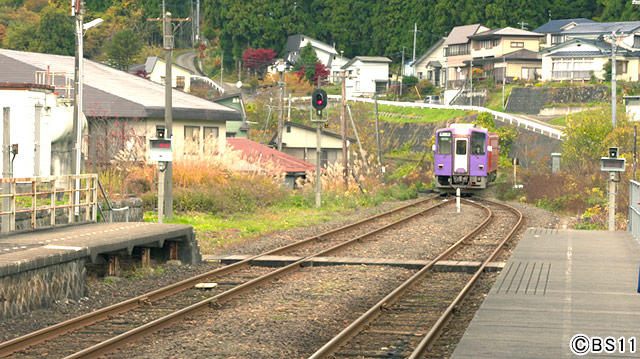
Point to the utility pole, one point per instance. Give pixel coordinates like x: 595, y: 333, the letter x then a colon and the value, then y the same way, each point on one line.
x: 343, y: 124
x: 415, y: 31
x: 471, y: 82
x: 613, y: 79
x: 504, y: 79
x: 375, y: 97
x: 168, y: 112
x: 401, y: 73
x: 280, y: 106
x: 6, y: 167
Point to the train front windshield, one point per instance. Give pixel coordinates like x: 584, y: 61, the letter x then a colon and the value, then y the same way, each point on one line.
x: 478, y: 143
x: 444, y: 143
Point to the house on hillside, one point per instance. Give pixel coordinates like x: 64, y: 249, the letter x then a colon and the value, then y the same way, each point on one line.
x: 506, y: 53
x: 579, y: 59
x: 367, y: 75
x: 155, y: 67
x: 431, y: 65
x: 235, y: 128
x: 627, y: 33
x: 300, y: 141
x: 457, y: 51
x: 123, y: 110
x: 553, y: 29
x: 258, y: 154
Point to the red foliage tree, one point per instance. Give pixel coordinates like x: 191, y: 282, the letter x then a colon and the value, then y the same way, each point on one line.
x: 257, y: 58
x: 318, y: 72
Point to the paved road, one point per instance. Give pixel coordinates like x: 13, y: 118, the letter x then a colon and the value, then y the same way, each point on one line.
x: 186, y: 59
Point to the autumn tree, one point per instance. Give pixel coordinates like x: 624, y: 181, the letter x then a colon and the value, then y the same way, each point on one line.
x: 309, y: 67
x: 123, y: 48
x: 257, y: 59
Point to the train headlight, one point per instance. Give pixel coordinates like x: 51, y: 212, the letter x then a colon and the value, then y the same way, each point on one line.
x: 481, y: 167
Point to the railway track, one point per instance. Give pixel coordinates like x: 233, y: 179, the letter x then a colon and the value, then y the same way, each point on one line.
x: 156, y: 310
x: 408, y: 320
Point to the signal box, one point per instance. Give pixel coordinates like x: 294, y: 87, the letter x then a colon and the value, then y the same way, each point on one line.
x: 160, y: 150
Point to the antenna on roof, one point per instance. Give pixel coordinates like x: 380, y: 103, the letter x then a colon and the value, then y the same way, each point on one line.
x: 522, y: 25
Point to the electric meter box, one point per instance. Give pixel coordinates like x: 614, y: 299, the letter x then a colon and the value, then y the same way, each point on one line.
x: 160, y: 150
x: 609, y: 164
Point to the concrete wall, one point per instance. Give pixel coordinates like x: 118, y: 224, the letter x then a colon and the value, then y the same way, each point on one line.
x: 531, y: 100
x: 40, y: 288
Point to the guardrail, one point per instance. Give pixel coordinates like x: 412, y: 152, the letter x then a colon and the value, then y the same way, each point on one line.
x: 500, y: 116
x: 633, y: 225
x: 32, y: 195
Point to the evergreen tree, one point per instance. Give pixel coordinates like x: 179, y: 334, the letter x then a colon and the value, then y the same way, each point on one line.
x: 123, y: 48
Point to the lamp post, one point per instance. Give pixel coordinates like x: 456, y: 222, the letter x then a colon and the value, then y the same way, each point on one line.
x: 76, y: 160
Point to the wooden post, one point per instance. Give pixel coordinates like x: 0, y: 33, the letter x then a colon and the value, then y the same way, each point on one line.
x: 34, y: 199
x: 173, y: 250
x: 146, y: 257
x: 53, y: 203
x: 6, y: 166
x: 114, y: 266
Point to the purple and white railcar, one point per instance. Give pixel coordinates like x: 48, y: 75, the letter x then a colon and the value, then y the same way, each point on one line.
x: 466, y: 157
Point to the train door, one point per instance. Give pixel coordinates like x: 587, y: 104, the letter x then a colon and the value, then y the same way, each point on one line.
x: 460, y: 160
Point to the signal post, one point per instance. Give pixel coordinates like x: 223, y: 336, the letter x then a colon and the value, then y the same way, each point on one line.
x: 613, y: 165
x: 319, y: 102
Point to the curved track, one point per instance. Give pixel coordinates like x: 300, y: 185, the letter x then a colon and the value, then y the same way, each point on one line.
x: 153, y: 317
x: 393, y: 326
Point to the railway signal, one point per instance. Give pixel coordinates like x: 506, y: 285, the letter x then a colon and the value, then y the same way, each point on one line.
x: 319, y: 100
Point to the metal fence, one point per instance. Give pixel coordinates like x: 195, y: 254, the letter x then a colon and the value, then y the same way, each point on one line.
x: 633, y: 225
x: 51, y: 197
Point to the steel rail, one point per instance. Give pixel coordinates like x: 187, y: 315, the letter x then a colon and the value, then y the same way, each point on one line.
x: 370, y: 315
x: 436, y: 329
x: 53, y: 331
x: 116, y: 342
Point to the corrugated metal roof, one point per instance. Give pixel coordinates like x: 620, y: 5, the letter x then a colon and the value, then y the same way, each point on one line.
x: 110, y: 92
x: 555, y: 26
x: 257, y: 151
x: 460, y: 34
x: 367, y: 59
x: 604, y: 28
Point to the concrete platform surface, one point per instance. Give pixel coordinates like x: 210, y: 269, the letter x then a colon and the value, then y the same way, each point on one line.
x: 560, y: 292
x: 29, y: 250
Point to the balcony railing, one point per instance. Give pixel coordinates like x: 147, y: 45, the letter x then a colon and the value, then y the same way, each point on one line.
x: 51, y: 196
x: 571, y: 75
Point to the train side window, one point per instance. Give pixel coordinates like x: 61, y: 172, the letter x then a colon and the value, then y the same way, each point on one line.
x: 478, y: 143
x: 461, y: 147
x: 444, y: 143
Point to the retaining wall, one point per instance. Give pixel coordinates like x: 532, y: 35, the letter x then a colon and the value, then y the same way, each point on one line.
x: 41, y: 287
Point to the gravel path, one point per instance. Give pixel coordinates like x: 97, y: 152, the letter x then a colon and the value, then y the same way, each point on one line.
x: 284, y: 320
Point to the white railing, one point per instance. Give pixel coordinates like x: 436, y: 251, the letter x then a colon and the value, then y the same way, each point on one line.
x: 500, y: 116
x: 633, y: 225
x: 32, y: 195
x: 209, y: 82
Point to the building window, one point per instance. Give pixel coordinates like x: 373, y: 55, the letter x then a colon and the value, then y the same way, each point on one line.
x: 210, y: 134
x: 162, y: 80
x: 357, y: 85
x: 621, y: 67
x: 517, y: 44
x: 636, y: 41
x: 486, y: 44
x: 419, y: 75
x: 429, y: 75
x: 572, y: 68
x: 496, y: 42
x: 180, y: 82
x: 381, y: 86
x: 288, y: 129
x: 192, y: 133
x: 459, y: 49
x: 557, y: 39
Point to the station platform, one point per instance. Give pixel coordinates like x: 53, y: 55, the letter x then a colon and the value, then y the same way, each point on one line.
x: 41, y: 267
x: 561, y: 294
x: 33, y: 249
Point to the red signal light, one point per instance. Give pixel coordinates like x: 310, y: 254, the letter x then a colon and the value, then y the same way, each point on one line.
x: 319, y: 102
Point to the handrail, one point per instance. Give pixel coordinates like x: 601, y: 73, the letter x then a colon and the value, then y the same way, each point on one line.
x: 111, y: 209
x: 11, y: 198
x: 633, y: 224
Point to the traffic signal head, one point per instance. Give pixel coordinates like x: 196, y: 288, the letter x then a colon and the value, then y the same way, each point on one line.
x: 613, y: 152
x: 319, y: 99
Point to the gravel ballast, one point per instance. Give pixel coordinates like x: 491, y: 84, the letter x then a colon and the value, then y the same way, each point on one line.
x: 285, y: 319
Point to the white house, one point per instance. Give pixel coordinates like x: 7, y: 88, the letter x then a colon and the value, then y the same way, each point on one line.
x: 553, y: 29
x: 579, y: 59
x: 155, y: 68
x: 327, y: 54
x: 367, y: 75
x: 632, y: 104
x: 36, y: 120
x: 432, y: 65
